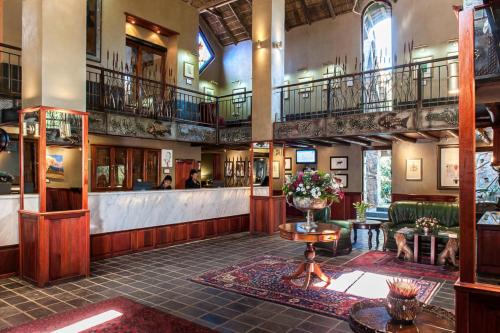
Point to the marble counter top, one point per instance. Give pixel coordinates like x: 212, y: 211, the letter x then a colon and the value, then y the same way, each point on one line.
x: 117, y: 211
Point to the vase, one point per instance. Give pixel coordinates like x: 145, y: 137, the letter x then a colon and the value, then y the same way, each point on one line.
x: 402, y: 309
x: 361, y: 215
x: 308, y: 206
x: 426, y: 230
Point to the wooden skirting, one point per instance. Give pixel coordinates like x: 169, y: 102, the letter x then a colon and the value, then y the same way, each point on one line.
x: 267, y: 213
x: 125, y: 242
x: 423, y: 197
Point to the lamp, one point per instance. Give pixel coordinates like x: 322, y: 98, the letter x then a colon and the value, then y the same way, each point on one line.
x: 259, y: 44
x: 277, y: 45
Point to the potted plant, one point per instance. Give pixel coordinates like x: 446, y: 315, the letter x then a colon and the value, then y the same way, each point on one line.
x: 426, y: 224
x: 310, y: 191
x: 361, y: 207
x: 402, y: 303
x: 5, y: 182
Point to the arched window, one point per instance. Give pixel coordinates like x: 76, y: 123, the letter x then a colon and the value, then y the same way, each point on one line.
x: 377, y: 36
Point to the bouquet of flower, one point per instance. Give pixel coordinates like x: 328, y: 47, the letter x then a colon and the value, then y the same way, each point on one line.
x: 426, y: 223
x: 314, y: 185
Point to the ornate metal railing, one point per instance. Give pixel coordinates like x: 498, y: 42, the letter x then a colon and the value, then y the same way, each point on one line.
x: 486, y: 42
x: 415, y: 85
x: 113, y: 91
x: 235, y: 109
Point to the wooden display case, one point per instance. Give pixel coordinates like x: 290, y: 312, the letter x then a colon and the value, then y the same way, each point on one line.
x: 54, y: 235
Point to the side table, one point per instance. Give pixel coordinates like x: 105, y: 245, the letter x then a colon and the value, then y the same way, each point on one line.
x: 367, y: 225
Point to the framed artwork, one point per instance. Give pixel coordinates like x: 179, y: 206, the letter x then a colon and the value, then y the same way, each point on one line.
x: 305, y: 88
x: 188, y: 70
x: 344, y: 179
x: 94, y: 19
x: 288, y: 163
x: 240, y: 169
x: 426, y: 69
x: 228, y: 168
x: 166, y: 171
x: 276, y: 169
x: 288, y: 177
x: 210, y: 92
x: 166, y: 158
x: 189, y: 81
x: 55, y: 167
x: 448, y: 173
x: 240, y: 95
x: 414, y: 169
x: 339, y: 163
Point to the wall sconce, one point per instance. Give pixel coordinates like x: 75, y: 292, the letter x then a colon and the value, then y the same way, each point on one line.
x: 215, y: 83
x: 277, y: 45
x: 259, y: 44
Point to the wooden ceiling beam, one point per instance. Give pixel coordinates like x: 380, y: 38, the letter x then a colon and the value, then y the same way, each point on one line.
x: 330, y: 142
x: 240, y: 20
x: 222, y: 21
x: 401, y: 137
x: 306, y: 11
x: 377, y: 139
x: 330, y: 8
x: 355, y: 141
x: 453, y: 133
x: 429, y: 136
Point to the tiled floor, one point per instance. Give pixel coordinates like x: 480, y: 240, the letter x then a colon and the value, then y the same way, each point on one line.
x: 159, y: 278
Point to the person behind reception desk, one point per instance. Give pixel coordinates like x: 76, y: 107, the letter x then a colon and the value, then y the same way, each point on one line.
x: 192, y: 181
x: 166, y: 183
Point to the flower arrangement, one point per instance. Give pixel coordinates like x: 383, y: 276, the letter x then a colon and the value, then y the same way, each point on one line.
x: 361, y: 207
x: 400, y: 288
x: 314, y: 185
x: 6, y: 177
x: 427, y: 224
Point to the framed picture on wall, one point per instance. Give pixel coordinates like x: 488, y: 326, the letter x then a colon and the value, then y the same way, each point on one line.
x: 209, y: 92
x: 188, y: 70
x: 339, y: 163
x: 239, y: 95
x: 414, y: 169
x: 448, y: 173
x: 228, y: 168
x: 344, y: 179
x: 166, y: 158
x: 276, y: 169
x: 240, y: 169
x: 286, y: 91
x: 288, y: 163
x: 94, y: 15
x: 305, y: 88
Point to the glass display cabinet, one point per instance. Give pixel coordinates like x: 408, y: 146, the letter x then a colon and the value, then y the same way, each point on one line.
x: 53, y: 231
x: 267, y: 205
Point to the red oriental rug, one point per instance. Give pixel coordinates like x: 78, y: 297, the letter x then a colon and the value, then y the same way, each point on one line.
x: 261, y: 277
x: 387, y: 263
x: 114, y: 315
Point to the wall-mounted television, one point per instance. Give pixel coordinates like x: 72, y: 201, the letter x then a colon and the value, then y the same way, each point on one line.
x: 306, y: 156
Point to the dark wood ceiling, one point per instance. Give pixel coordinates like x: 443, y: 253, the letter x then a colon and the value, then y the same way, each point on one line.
x: 231, y: 20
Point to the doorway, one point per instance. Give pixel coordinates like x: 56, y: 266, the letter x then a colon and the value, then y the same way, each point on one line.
x: 182, y: 170
x: 377, y: 179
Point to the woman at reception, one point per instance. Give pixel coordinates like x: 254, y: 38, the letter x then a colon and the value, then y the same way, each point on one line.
x: 192, y: 181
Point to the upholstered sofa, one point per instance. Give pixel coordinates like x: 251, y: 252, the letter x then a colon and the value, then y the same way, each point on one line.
x: 405, y: 213
x: 344, y: 244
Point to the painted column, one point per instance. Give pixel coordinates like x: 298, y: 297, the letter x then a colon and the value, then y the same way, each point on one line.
x: 268, y: 28
x: 54, y: 53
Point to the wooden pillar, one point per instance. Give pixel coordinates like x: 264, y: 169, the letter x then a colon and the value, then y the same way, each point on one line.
x: 467, y: 146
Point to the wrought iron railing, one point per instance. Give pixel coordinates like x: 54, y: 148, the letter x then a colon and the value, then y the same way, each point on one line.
x: 235, y: 109
x: 415, y: 85
x: 486, y: 42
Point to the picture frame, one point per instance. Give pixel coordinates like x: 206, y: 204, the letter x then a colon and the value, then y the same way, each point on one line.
x: 425, y: 68
x: 94, y: 29
x: 339, y: 162
x: 188, y: 70
x: 167, y: 158
x: 286, y: 91
x: 228, y: 168
x: 189, y: 81
x: 276, y: 170
x: 240, y: 98
x: 414, y: 169
x: 209, y: 92
x: 288, y: 163
x: 448, y: 167
x: 344, y: 179
x: 240, y: 169
x: 166, y: 171
x: 305, y: 88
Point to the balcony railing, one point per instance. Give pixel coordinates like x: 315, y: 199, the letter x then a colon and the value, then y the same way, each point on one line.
x: 411, y: 86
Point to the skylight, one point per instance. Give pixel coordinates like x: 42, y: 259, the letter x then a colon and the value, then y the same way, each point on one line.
x: 206, y: 54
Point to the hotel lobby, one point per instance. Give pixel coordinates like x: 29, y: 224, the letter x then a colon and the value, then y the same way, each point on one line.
x: 249, y: 166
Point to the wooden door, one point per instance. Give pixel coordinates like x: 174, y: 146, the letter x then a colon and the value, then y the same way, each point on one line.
x: 182, y: 169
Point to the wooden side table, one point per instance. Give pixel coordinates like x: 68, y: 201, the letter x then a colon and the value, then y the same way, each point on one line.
x: 324, y: 232
x: 416, y: 246
x: 367, y: 225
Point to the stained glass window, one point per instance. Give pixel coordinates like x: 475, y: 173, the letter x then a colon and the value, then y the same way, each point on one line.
x: 205, y: 52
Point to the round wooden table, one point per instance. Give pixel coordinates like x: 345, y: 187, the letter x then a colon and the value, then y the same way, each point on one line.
x: 367, y: 225
x: 323, y: 232
x: 371, y: 316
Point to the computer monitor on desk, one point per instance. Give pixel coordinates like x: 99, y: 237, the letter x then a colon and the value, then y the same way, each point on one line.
x: 142, y: 186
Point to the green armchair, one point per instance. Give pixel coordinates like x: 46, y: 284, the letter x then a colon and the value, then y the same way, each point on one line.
x: 344, y: 244
x: 405, y: 213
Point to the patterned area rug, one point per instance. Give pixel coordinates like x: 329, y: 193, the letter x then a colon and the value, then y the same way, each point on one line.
x: 130, y: 316
x: 261, y: 277
x: 386, y: 262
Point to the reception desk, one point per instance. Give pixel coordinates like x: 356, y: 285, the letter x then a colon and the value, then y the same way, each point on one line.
x: 126, y: 222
